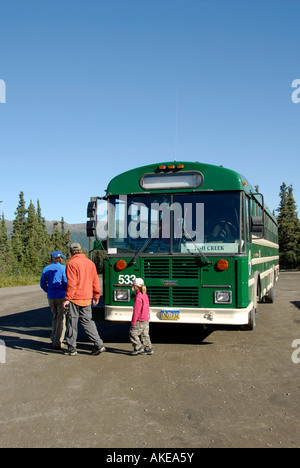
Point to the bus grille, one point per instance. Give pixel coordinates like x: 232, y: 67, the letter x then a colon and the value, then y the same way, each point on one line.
x: 168, y: 268
x: 187, y: 268
x: 158, y: 296
x: 173, y: 297
x: 156, y: 268
x: 185, y: 297
x: 172, y: 269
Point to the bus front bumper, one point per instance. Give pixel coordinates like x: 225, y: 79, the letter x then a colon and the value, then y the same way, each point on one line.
x: 220, y: 316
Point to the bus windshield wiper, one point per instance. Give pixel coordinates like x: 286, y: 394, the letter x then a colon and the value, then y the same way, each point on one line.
x: 154, y: 233
x: 209, y: 262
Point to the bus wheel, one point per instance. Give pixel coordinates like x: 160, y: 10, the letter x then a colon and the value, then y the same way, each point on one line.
x: 270, y: 296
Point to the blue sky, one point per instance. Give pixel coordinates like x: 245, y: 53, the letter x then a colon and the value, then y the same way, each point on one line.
x: 97, y: 87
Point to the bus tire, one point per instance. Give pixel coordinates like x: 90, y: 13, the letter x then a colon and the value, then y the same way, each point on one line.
x: 270, y: 296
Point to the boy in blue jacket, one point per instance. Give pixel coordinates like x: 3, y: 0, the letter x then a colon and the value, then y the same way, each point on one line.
x: 54, y: 283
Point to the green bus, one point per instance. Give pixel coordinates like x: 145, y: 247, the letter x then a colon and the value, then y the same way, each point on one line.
x: 198, y: 234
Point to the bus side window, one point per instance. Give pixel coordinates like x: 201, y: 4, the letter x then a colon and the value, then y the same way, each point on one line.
x: 247, y: 219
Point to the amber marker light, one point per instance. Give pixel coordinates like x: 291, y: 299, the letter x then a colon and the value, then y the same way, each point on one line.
x: 180, y: 166
x: 162, y: 167
x: 222, y: 264
x: 171, y: 166
x: 120, y: 265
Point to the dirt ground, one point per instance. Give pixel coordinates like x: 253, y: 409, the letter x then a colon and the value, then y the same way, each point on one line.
x: 221, y: 387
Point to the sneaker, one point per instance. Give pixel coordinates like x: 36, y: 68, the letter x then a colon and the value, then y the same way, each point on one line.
x: 70, y: 351
x: 98, y: 350
x: 148, y: 350
x: 137, y: 351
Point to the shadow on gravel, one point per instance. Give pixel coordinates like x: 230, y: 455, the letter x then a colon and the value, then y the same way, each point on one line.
x: 23, y: 330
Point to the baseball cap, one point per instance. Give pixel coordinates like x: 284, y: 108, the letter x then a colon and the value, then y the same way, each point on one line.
x: 75, y: 246
x: 138, y: 282
x: 57, y: 254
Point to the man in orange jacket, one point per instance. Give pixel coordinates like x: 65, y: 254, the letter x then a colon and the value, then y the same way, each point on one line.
x: 83, y: 287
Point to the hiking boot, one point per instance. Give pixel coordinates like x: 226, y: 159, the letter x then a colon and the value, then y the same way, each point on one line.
x: 71, y: 351
x: 135, y: 352
x: 148, y: 350
x: 98, y: 350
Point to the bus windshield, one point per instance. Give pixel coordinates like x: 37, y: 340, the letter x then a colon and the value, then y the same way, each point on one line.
x: 175, y: 224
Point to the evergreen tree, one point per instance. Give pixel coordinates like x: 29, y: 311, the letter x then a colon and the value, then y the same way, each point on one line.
x: 56, y: 237
x: 43, y: 241
x: 31, y: 242
x: 61, y: 239
x: 29, y: 248
x: 288, y: 228
x: 3, y: 236
x: 39, y: 216
x: 36, y: 241
x: 282, y: 218
x: 4, y: 246
x: 19, y: 231
x: 65, y: 238
x: 294, y: 227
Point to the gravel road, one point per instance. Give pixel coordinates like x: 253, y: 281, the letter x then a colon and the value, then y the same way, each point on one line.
x: 220, y: 387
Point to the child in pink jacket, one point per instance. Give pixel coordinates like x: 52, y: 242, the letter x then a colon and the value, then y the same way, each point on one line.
x: 139, y: 330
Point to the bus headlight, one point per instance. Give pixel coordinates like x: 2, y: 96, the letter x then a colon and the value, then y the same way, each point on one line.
x: 223, y: 297
x: 122, y: 295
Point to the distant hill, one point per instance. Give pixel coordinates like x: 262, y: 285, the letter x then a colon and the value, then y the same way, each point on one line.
x: 78, y: 231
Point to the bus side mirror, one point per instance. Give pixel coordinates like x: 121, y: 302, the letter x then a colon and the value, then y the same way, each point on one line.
x: 91, y: 209
x: 90, y: 228
x: 91, y: 213
x: 257, y: 224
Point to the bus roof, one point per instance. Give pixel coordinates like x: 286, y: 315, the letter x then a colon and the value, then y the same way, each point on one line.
x: 215, y: 178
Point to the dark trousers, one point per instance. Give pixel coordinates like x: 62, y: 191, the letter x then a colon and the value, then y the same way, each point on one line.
x: 84, y: 315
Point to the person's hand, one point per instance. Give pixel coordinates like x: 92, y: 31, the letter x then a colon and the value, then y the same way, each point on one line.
x: 95, y: 302
x: 65, y: 304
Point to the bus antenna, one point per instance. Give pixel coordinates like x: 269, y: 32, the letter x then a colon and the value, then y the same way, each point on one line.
x: 176, y: 128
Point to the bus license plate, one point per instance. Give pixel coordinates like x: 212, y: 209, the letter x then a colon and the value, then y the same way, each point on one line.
x: 170, y: 315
